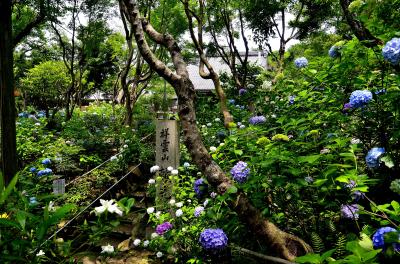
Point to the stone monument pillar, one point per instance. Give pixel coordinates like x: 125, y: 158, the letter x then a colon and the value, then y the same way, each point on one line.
x: 167, y: 155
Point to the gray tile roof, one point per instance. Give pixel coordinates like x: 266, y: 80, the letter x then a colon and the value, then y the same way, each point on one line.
x: 219, y: 66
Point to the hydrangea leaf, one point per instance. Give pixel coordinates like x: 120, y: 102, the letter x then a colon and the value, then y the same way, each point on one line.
x: 388, y: 161
x: 366, y: 242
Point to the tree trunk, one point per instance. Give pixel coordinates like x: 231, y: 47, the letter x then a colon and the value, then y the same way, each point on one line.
x: 284, y: 244
x: 7, y: 101
x: 358, y: 28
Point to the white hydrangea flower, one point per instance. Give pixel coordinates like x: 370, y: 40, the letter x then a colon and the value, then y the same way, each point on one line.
x: 107, y: 206
x: 172, y: 202
x: 206, y: 202
x: 40, y: 253
x: 159, y: 254
x: 217, y: 119
x: 107, y: 249
x: 242, y: 126
x: 222, y: 144
x: 154, y: 235
x: 136, y: 242
x: 213, y: 149
x: 150, y: 210
x: 209, y: 124
x: 186, y: 164
x: 203, y: 126
x: 355, y: 141
x: 152, y: 181
x: 154, y: 169
x: 146, y: 243
x: 179, y: 213
x: 179, y: 205
x: 174, y: 172
x: 158, y: 213
x: 125, y: 146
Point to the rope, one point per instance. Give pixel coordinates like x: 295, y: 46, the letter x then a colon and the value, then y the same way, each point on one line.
x: 98, y: 166
x: 87, y: 207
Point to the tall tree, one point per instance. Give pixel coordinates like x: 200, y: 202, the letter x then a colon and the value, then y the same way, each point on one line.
x: 223, y: 17
x: 204, y: 62
x: 7, y: 102
x: 284, y: 244
x: 269, y: 19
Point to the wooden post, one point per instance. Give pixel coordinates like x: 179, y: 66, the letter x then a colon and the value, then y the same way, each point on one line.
x: 7, y: 101
x: 167, y: 155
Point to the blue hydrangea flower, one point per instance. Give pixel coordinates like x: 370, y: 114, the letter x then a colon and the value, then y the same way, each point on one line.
x: 231, y: 101
x: 41, y: 114
x: 23, y: 114
x: 46, y: 161
x: 32, y: 200
x: 44, y: 172
x: 372, y: 158
x: 349, y: 211
x: 391, y: 51
x: 291, y: 99
x: 378, y: 239
x: 301, y: 62
x: 221, y: 135
x: 360, y: 98
x: 382, y: 91
x: 257, y: 120
x: 213, y: 239
x: 186, y: 164
x: 198, y: 210
x: 242, y: 91
x: 334, y: 52
x: 32, y: 169
x: 200, y: 187
x: 240, y: 172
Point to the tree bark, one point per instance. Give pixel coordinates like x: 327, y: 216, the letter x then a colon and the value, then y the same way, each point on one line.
x: 7, y: 101
x: 284, y: 244
x: 358, y: 28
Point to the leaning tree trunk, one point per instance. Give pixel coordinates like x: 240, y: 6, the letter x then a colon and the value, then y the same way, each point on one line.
x: 284, y: 244
x: 7, y: 100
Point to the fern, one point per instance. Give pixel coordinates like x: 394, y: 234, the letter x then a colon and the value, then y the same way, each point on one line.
x: 340, y: 245
x: 317, y: 243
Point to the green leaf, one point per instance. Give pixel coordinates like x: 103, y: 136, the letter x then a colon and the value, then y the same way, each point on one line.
x: 310, y: 159
x: 7, y: 191
x: 366, y: 242
x: 388, y: 161
x: 327, y: 254
x: 238, y: 152
x: 9, y: 223
x: 232, y: 189
x: 309, y: 258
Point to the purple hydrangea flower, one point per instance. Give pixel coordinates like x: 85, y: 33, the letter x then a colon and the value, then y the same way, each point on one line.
x: 349, y: 211
x: 44, y: 172
x: 242, y: 91
x: 357, y: 195
x: 378, y: 239
x: 163, y: 228
x: 257, y: 120
x: 372, y: 158
x: 213, y: 195
x: 213, y: 239
x: 346, y: 107
x: 198, y: 210
x: 240, y: 172
x: 391, y: 51
x: 352, y: 184
x: 200, y: 187
x: 360, y: 98
x: 301, y: 62
x: 46, y: 161
x: 333, y: 52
